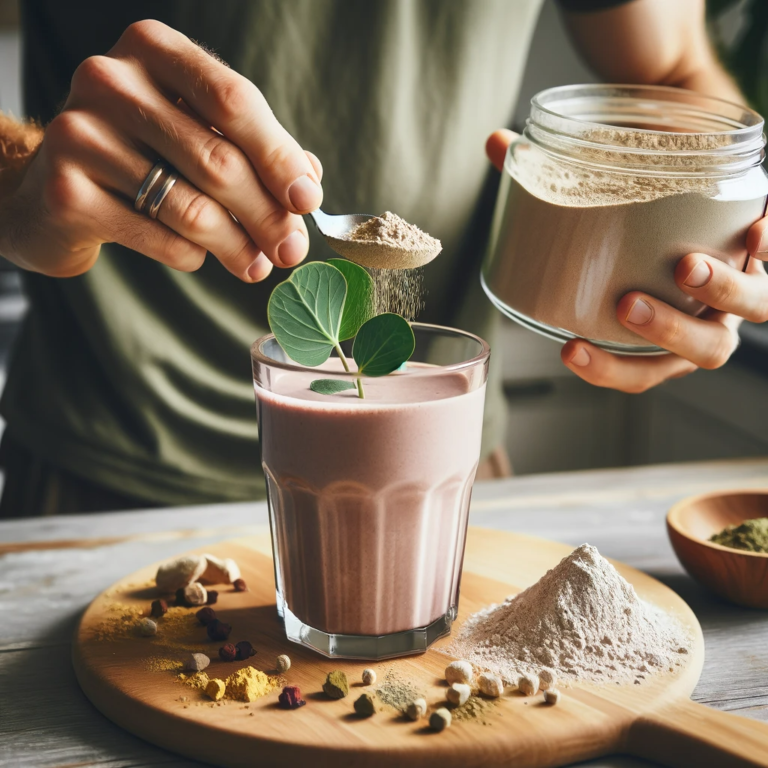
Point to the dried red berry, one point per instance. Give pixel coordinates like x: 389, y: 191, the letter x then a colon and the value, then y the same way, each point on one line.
x: 239, y: 585
x: 244, y: 650
x: 228, y: 652
x: 159, y: 608
x: 206, y: 615
x: 218, y: 630
x: 290, y: 698
x: 213, y: 597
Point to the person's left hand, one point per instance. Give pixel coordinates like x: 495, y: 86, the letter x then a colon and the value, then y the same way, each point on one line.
x: 706, y: 341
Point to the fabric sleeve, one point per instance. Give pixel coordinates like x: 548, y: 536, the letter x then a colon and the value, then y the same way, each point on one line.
x: 584, y: 6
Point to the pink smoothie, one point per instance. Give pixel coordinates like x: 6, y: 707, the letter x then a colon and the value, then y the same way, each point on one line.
x: 370, y: 497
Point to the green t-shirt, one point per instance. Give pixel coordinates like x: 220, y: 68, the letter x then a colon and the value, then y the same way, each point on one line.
x: 138, y: 377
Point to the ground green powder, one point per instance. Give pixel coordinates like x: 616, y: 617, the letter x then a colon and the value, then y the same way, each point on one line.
x: 336, y: 685
x: 475, y: 708
x: 751, y: 535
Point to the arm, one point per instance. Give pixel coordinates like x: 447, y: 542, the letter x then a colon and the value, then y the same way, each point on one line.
x: 19, y: 143
x: 156, y: 94
x: 665, y: 42
x: 652, y: 42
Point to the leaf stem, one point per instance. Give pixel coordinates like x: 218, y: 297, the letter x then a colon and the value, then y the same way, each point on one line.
x: 358, y: 381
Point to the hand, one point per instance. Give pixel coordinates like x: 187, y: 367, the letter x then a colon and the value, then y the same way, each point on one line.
x: 156, y: 94
x: 706, y: 341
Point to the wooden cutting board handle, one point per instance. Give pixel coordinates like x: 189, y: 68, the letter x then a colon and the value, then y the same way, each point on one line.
x: 686, y: 734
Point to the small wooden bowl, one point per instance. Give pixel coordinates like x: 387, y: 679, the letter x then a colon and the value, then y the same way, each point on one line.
x: 738, y: 576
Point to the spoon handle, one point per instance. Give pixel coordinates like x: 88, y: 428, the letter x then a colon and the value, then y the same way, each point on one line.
x: 321, y: 220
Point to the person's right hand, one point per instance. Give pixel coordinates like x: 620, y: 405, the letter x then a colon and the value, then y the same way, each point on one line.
x: 157, y: 94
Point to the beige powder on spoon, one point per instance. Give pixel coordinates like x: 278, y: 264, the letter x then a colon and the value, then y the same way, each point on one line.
x: 390, y: 242
x: 394, y: 251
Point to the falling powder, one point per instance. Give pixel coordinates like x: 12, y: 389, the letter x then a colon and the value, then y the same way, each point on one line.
x: 581, y: 619
x: 398, y: 290
x: 394, y: 252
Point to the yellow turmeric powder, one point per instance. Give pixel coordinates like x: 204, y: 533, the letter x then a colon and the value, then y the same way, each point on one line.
x: 249, y: 684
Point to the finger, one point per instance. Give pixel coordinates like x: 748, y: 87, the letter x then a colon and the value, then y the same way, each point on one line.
x: 202, y: 220
x: 117, y: 222
x: 722, y: 287
x: 316, y: 164
x: 186, y: 210
x: 757, y: 239
x: 708, y: 343
x: 632, y: 374
x: 126, y: 98
x: 497, y: 144
x: 221, y: 170
x: 232, y: 104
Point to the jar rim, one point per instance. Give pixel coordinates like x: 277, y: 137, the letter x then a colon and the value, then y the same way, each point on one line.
x: 258, y: 355
x: 748, y: 124
x: 649, y: 130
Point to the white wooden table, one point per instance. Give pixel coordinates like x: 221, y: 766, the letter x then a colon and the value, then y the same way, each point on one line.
x: 51, y: 568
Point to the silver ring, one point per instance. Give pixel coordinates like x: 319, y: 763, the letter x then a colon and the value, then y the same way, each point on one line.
x: 170, y: 180
x: 149, y: 182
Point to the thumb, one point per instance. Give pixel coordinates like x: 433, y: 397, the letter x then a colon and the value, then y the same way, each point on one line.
x: 496, y: 146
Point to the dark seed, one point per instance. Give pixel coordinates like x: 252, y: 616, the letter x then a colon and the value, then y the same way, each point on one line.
x: 206, y: 615
x: 228, y: 652
x: 219, y: 630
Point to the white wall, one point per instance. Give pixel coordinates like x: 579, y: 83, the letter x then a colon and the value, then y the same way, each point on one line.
x: 10, y: 85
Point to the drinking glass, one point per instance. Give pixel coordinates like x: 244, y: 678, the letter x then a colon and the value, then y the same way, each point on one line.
x: 369, y: 498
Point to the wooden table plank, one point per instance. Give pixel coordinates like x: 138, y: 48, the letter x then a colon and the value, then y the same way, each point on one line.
x: 46, y: 721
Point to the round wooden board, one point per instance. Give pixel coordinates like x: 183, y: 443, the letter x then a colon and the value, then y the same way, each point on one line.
x: 654, y: 719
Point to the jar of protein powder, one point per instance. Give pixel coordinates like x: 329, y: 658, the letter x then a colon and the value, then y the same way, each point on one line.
x: 605, y: 191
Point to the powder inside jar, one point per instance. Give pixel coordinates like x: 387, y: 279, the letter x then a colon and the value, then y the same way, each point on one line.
x: 572, y: 237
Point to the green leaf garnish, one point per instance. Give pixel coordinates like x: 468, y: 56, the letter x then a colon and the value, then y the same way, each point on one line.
x: 322, y: 304
x: 305, y: 311
x: 331, y: 386
x: 383, y: 344
x: 359, y: 306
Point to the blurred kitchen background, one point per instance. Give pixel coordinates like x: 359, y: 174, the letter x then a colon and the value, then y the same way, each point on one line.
x: 556, y: 421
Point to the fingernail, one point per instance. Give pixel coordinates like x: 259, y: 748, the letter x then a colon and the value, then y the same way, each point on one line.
x: 641, y: 313
x: 699, y: 275
x: 581, y: 358
x: 293, y: 249
x: 305, y: 194
x: 256, y: 270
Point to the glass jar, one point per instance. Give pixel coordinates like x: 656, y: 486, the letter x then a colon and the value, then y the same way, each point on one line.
x: 369, y: 498
x: 605, y: 191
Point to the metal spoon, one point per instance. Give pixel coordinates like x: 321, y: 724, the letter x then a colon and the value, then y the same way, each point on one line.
x: 335, y: 230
